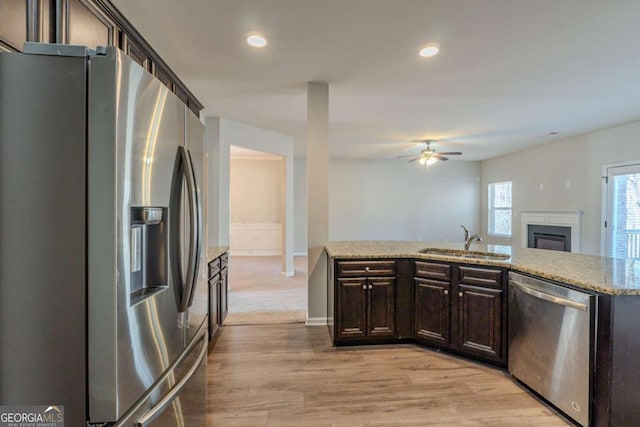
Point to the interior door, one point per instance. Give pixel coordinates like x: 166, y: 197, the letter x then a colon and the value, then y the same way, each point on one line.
x: 622, y: 218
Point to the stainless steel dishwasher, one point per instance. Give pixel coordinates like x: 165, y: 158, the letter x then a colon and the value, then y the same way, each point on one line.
x: 551, y: 339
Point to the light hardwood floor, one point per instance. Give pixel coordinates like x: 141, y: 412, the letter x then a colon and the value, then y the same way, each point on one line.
x: 290, y: 375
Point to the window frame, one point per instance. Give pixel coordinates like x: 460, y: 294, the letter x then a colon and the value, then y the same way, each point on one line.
x: 491, y: 209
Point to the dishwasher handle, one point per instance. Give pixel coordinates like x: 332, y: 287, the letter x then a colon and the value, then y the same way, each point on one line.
x: 548, y: 297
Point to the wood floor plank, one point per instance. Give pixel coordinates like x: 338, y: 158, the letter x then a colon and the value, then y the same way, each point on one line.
x: 291, y: 375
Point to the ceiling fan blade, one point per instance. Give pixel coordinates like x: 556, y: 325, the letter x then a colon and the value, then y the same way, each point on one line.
x: 451, y: 153
x: 442, y: 158
x: 413, y: 160
x: 409, y: 155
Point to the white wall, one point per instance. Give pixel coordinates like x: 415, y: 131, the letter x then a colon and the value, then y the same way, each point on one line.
x: 257, y: 194
x: 300, y: 205
x: 396, y: 200
x: 570, y: 173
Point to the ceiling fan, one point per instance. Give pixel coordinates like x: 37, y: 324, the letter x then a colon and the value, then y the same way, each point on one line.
x: 429, y: 156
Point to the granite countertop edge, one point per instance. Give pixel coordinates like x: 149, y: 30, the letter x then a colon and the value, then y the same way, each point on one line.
x: 214, y: 252
x: 587, y: 272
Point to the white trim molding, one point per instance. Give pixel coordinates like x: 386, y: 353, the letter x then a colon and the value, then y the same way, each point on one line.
x: 255, y: 239
x: 572, y: 219
x: 316, y: 321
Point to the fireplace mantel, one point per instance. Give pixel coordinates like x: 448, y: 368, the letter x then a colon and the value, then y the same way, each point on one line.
x: 571, y: 219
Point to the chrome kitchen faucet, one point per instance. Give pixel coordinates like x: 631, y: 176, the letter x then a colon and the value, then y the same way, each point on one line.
x: 468, y: 240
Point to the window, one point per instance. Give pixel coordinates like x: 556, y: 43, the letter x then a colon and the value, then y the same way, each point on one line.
x: 622, y: 229
x: 500, y: 209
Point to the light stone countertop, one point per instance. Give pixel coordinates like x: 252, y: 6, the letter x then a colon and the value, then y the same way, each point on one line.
x: 215, y: 251
x: 610, y: 276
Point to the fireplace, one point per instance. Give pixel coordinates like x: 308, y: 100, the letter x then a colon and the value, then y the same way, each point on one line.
x: 556, y: 230
x: 551, y: 237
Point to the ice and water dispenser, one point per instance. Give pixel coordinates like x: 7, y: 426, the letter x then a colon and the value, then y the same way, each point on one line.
x: 148, y: 242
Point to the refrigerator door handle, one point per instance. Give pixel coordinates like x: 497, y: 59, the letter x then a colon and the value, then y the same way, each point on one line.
x: 157, y: 410
x: 182, y: 171
x: 196, y: 227
x: 194, y: 231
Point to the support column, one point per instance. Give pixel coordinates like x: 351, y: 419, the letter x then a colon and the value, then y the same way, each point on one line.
x: 317, y: 199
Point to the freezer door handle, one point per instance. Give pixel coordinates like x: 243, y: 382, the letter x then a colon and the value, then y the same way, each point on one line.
x: 548, y: 297
x: 157, y: 410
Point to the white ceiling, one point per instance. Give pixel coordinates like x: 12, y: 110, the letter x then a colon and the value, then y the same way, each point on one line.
x: 509, y: 71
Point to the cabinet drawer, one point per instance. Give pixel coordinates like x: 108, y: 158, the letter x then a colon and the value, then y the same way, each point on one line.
x: 366, y: 268
x: 430, y: 270
x: 214, y: 267
x: 488, y: 278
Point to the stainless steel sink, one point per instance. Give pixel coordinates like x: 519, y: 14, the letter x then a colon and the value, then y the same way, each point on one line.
x: 464, y: 254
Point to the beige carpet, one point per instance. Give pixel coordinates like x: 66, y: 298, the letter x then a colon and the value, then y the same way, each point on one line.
x: 260, y: 294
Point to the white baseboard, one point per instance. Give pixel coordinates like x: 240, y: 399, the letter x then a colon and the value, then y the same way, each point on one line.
x: 316, y: 321
x: 254, y: 252
x: 300, y: 254
x: 255, y: 239
x: 288, y: 273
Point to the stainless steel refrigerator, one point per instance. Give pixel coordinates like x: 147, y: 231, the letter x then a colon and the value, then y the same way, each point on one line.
x: 103, y: 298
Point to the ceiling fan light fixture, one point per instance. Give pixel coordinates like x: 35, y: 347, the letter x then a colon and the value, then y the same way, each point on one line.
x: 429, y: 51
x: 431, y: 161
x: 256, y: 40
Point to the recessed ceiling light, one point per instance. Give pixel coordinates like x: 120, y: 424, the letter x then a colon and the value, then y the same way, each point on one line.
x: 428, y: 51
x: 256, y: 40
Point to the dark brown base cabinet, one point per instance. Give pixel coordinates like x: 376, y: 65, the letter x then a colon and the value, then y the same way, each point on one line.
x: 218, y: 290
x: 458, y: 308
x: 365, y: 303
x: 461, y: 308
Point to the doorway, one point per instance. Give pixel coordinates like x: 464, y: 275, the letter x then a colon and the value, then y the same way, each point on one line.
x: 259, y: 291
x: 621, y: 209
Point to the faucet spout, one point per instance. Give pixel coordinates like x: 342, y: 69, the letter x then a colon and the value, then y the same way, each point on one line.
x: 469, y: 240
x: 466, y: 232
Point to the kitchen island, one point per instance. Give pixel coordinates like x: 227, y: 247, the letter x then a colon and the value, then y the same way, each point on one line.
x: 388, y: 292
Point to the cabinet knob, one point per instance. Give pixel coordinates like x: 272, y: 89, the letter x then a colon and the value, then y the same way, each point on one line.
x: 366, y: 269
x: 370, y: 286
x: 446, y: 292
x: 460, y: 294
x: 364, y: 287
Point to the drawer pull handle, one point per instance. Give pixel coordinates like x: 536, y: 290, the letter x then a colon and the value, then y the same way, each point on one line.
x: 366, y: 269
x: 446, y: 292
x: 364, y: 287
x: 370, y: 286
x: 460, y: 294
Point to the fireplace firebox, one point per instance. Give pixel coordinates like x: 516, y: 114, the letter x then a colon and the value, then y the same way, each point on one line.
x: 556, y: 238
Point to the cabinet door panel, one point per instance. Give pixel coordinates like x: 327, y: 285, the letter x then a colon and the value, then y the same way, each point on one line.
x: 480, y: 321
x: 432, y: 313
x: 89, y: 26
x: 351, y: 317
x: 224, y: 291
x: 214, y: 317
x: 137, y: 53
x: 13, y: 25
x: 381, y: 313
